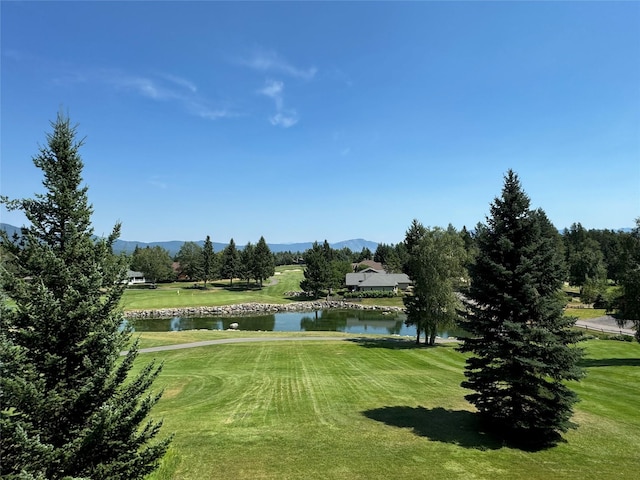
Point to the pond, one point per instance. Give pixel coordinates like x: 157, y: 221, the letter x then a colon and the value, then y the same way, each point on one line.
x: 332, y: 320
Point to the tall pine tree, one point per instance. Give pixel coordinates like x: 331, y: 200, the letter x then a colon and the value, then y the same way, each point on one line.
x: 208, y: 261
x: 523, y: 348
x: 231, y: 262
x: 69, y: 407
x: 263, y: 263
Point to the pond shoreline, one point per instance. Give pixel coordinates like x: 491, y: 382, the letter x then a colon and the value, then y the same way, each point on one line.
x: 242, y: 309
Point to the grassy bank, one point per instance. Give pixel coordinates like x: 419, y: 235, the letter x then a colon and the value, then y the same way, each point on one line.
x: 183, y: 294
x: 371, y: 410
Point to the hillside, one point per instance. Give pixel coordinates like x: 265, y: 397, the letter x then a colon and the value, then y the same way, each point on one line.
x: 128, y: 246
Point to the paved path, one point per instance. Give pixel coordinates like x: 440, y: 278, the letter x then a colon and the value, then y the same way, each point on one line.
x: 606, y: 324
x: 203, y: 343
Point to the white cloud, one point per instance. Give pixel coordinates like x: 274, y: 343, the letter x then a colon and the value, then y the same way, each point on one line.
x: 274, y: 89
x: 285, y: 118
x: 182, y: 82
x: 270, y: 61
x: 166, y: 88
x: 154, y: 181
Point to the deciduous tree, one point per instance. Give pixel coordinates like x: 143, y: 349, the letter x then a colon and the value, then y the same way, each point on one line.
x: 155, y: 262
x: 523, y: 350
x: 436, y: 261
x: 630, y: 301
x: 190, y: 259
x: 69, y: 406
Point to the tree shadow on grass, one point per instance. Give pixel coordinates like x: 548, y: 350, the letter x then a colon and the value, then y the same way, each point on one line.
x: 610, y: 362
x: 458, y: 427
x: 390, y: 343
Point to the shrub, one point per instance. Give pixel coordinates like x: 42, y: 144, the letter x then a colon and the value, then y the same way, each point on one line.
x: 370, y: 294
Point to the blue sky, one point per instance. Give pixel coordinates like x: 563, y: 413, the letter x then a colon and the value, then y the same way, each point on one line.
x: 312, y: 121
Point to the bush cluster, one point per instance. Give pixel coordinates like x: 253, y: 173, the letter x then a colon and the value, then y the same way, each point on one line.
x: 370, y: 294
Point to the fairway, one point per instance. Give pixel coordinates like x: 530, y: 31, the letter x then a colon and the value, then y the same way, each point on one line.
x: 371, y: 409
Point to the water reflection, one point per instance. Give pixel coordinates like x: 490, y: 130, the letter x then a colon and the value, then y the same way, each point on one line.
x: 348, y: 321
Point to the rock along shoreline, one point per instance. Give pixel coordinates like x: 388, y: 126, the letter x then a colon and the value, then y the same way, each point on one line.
x: 242, y: 309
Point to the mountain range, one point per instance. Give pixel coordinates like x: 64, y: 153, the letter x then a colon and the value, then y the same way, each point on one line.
x: 128, y: 246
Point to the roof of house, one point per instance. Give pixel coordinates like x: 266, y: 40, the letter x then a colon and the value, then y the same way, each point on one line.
x: 370, y: 279
x: 370, y: 264
x: 132, y: 273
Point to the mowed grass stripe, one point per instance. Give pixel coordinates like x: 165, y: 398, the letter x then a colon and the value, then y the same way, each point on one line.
x: 347, y: 410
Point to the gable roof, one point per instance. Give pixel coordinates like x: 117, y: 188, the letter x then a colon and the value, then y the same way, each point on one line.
x: 369, y: 279
x: 370, y: 264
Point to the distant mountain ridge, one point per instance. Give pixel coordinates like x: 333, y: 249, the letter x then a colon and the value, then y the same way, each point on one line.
x: 128, y: 246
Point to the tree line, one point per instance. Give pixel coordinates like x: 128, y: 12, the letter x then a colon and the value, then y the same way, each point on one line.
x: 195, y: 263
x: 251, y: 262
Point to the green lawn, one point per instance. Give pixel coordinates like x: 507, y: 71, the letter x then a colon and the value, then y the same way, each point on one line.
x: 363, y: 410
x: 182, y: 294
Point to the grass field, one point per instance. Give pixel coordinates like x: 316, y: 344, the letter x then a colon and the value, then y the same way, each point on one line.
x: 371, y: 409
x: 181, y: 294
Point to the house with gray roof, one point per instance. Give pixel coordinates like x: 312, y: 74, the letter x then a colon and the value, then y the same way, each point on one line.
x: 134, y: 277
x: 371, y: 279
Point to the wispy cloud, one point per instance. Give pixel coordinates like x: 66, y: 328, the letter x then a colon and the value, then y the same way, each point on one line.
x: 283, y: 117
x: 160, y: 87
x: 271, y: 62
x: 182, y: 82
x: 156, y: 182
x: 274, y: 89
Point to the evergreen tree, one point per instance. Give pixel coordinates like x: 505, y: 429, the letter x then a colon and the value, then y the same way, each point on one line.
x: 412, y: 237
x: 208, y: 261
x: 231, y: 267
x: 523, y: 349
x: 263, y: 262
x: 69, y: 407
x: 317, y: 272
x: 630, y: 301
x: 436, y: 262
x: 247, y: 259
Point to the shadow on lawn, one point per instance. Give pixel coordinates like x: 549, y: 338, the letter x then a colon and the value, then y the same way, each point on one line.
x: 390, y: 343
x: 610, y: 362
x: 458, y: 427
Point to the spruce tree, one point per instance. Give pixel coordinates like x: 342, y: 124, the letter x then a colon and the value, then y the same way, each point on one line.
x: 317, y: 271
x: 231, y: 267
x: 523, y: 348
x: 208, y: 261
x: 263, y: 262
x: 68, y: 406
